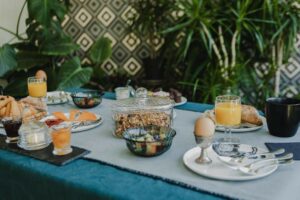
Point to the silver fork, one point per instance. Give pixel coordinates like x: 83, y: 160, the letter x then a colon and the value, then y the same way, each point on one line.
x: 254, y: 167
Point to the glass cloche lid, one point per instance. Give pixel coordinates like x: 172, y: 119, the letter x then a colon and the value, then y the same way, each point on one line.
x: 142, y: 101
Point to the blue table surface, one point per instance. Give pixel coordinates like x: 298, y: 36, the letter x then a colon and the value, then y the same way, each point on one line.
x: 26, y: 178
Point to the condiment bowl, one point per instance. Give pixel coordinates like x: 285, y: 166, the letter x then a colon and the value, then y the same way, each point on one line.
x: 87, y: 99
x: 150, y: 140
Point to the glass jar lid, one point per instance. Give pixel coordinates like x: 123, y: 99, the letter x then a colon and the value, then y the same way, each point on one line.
x: 143, y: 102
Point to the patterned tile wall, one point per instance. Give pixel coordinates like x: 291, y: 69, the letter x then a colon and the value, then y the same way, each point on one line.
x: 90, y: 19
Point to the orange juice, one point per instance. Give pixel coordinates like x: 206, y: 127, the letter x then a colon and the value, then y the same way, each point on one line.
x: 228, y: 113
x: 37, y: 89
x: 61, y: 138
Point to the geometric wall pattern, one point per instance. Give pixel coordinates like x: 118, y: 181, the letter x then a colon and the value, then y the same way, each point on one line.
x: 88, y: 20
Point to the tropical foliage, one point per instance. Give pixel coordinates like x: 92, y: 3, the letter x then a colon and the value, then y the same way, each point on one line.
x: 46, y: 46
x: 224, y: 41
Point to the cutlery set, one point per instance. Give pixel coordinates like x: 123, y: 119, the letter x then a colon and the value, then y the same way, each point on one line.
x: 249, y: 161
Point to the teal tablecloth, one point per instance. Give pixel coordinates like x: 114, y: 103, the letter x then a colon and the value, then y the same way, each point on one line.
x: 26, y: 178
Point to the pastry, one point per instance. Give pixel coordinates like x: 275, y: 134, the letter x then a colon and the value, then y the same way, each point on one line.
x: 14, y: 109
x: 250, y: 115
x: 4, y: 100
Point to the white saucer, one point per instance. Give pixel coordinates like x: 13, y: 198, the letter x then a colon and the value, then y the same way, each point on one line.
x: 218, y: 169
x: 57, y: 97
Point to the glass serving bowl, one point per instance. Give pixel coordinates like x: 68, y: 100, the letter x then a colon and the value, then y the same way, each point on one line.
x: 150, y: 140
x: 87, y: 99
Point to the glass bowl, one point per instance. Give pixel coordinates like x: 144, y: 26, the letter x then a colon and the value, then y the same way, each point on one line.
x: 149, y: 140
x: 87, y: 99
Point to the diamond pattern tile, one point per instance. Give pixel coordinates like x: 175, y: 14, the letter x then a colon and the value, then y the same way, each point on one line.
x: 132, y: 66
x: 131, y: 41
x: 83, y: 17
x: 106, y: 16
x: 89, y: 20
x: 85, y: 42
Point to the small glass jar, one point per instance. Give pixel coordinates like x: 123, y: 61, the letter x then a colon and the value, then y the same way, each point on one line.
x: 33, y: 134
x: 142, y: 111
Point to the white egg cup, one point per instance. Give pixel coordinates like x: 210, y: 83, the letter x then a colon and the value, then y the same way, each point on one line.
x: 203, y: 142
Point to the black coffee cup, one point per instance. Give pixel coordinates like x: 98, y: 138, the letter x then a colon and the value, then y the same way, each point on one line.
x: 283, y: 116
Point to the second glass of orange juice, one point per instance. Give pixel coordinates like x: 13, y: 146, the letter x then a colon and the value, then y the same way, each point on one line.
x: 61, y: 138
x: 228, y: 112
x: 37, y: 87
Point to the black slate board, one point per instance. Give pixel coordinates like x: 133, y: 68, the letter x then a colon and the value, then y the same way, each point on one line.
x: 45, y: 154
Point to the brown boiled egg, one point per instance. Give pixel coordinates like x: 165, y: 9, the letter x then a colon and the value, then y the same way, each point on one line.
x: 41, y: 74
x: 204, y: 127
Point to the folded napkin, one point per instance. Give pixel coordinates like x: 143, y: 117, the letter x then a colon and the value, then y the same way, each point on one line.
x: 291, y: 147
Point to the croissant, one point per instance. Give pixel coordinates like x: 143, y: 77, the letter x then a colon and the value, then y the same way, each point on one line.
x: 250, y: 115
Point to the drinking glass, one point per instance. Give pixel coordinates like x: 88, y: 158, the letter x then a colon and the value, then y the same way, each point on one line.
x: 61, y: 138
x: 11, y: 126
x: 37, y: 87
x: 228, y: 112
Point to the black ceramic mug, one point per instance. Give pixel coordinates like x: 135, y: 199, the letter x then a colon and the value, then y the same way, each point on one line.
x: 283, y: 116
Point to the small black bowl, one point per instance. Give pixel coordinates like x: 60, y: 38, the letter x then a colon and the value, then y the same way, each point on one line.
x: 87, y: 99
x: 150, y: 140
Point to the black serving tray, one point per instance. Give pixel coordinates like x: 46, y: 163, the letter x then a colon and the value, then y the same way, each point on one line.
x: 45, y: 154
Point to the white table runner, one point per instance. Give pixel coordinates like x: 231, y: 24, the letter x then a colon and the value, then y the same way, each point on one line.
x: 283, y: 184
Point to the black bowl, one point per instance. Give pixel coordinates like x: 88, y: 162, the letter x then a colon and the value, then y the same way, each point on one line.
x: 150, y: 140
x: 87, y: 99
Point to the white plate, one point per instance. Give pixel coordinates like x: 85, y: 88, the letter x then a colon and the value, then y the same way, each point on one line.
x: 80, y: 128
x: 218, y: 169
x: 244, y: 127
x: 57, y: 97
x: 240, y: 130
x: 183, y: 101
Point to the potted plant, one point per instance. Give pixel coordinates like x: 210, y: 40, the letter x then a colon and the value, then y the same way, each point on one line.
x: 46, y: 47
x: 224, y: 40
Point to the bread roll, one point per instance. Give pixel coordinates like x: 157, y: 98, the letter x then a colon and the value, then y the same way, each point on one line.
x: 250, y: 115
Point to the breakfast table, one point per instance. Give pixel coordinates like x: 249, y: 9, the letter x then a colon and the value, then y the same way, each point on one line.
x: 111, y: 171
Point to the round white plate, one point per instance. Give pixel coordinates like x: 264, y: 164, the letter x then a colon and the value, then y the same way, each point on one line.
x: 218, y: 169
x: 79, y: 128
x: 239, y: 130
x: 57, y: 97
x: 183, y: 101
x: 242, y: 129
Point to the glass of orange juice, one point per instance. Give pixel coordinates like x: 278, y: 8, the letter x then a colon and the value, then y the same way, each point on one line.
x: 61, y: 138
x: 228, y: 113
x: 37, y: 87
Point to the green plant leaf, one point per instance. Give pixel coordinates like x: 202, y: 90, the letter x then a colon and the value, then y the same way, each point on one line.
x: 58, y: 47
x: 71, y: 74
x: 43, y: 10
x: 17, y: 87
x: 28, y: 59
x: 7, y: 59
x: 101, y: 50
